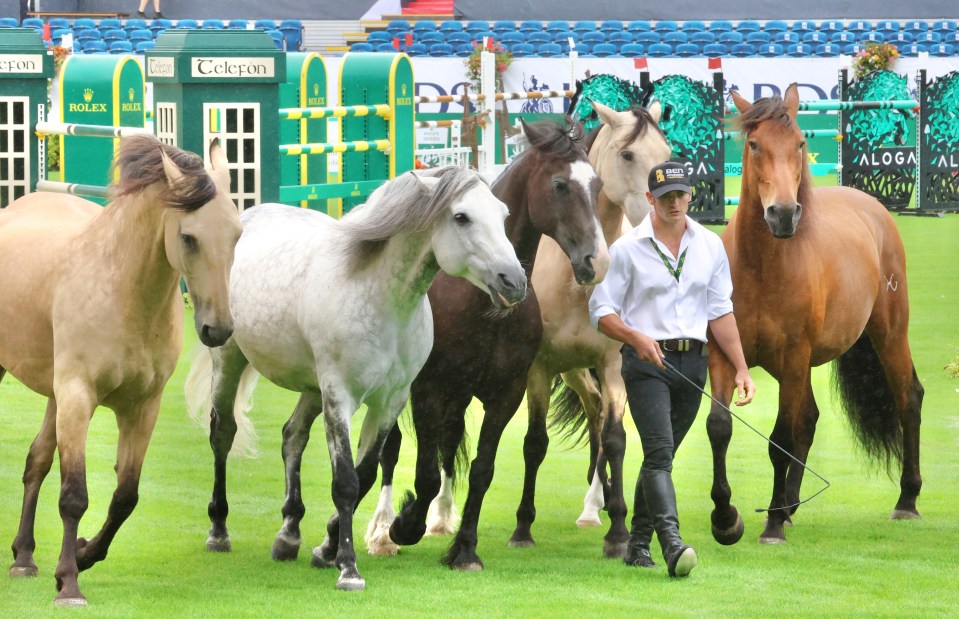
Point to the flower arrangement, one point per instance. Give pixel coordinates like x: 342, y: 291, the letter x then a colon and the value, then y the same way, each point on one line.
x: 873, y: 57
x: 60, y: 54
x: 503, y: 60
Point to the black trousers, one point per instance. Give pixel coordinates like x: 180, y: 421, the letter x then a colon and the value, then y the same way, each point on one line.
x: 662, y: 404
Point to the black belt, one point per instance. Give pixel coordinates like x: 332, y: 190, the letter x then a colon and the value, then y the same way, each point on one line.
x: 693, y: 346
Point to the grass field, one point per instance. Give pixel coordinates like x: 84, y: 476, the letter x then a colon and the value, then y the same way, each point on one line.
x: 843, y: 558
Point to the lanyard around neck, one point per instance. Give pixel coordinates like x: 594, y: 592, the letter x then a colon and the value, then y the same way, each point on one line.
x: 679, y: 265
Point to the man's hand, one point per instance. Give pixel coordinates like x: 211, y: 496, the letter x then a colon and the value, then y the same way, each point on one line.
x: 745, y: 388
x: 647, y: 349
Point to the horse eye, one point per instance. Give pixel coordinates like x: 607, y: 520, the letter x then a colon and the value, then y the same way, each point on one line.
x: 560, y: 186
x: 627, y: 155
x: 189, y: 241
x: 461, y: 218
x: 802, y: 145
x: 753, y: 146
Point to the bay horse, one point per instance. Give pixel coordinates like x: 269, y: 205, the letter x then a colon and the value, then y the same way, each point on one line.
x: 819, y: 274
x: 92, y: 315
x: 294, y: 270
x: 623, y: 149
x: 550, y: 189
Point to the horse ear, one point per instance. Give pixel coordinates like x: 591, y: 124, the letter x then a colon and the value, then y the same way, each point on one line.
x: 530, y: 130
x: 791, y: 99
x: 173, y: 173
x: 607, y: 115
x: 741, y: 104
x: 655, y: 110
x: 219, y: 166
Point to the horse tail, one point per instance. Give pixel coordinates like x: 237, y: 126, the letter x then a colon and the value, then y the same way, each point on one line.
x: 859, y: 379
x: 198, y: 390
x: 567, y: 414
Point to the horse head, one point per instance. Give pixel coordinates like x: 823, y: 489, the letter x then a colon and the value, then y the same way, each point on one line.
x: 774, y: 159
x: 201, y: 230
x: 627, y: 146
x: 562, y: 197
x: 469, y: 239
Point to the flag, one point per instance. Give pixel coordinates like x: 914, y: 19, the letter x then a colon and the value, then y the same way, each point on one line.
x: 715, y: 64
x: 640, y: 63
x: 396, y: 43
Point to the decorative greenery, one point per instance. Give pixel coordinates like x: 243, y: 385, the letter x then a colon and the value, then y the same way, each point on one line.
x: 503, y: 59
x: 615, y: 93
x: 873, y: 57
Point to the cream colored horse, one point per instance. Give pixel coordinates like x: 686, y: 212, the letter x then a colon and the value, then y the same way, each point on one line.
x: 91, y: 315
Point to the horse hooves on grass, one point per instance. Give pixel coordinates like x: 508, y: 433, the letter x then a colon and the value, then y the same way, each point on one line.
x: 351, y: 583
x: 615, y: 550
x: 76, y: 599
x: 319, y: 561
x: 471, y: 566
x: 772, y: 540
x: 905, y: 514
x: 23, y: 571
x: 219, y: 544
x: 729, y: 535
x: 285, y: 549
x: 521, y: 543
x: 588, y: 522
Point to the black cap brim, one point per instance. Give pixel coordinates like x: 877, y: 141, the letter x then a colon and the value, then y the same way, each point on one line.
x: 660, y: 191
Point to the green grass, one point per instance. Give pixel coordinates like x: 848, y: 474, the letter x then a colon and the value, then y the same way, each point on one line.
x: 843, y: 558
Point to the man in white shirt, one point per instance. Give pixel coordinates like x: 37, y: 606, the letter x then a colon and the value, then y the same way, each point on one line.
x: 668, y: 280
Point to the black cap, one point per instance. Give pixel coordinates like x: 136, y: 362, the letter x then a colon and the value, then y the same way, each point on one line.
x: 669, y: 176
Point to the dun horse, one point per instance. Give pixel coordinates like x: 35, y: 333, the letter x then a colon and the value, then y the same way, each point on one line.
x: 294, y: 270
x: 550, y: 189
x: 91, y: 314
x: 818, y: 274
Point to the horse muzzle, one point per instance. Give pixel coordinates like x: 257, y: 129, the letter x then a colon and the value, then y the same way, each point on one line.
x: 783, y: 219
x: 507, y: 290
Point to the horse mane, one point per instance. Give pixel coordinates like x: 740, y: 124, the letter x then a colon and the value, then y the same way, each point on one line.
x: 774, y: 110
x: 644, y: 121
x: 562, y: 140
x: 140, y: 164
x: 402, y: 205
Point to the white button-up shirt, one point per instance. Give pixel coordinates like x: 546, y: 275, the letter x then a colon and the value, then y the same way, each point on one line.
x: 640, y: 289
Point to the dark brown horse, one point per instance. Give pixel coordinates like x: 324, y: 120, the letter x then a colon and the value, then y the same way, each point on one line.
x: 818, y: 274
x: 550, y: 189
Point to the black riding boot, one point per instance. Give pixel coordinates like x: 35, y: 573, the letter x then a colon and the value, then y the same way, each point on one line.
x: 661, y: 499
x: 637, y: 552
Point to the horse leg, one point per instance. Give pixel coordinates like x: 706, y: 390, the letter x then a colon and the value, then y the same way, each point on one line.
x: 228, y: 366
x: 441, y: 518
x: 135, y: 429
x: 377, y: 537
x: 727, y: 525
x: 338, y: 407
x: 39, y: 461
x: 793, y: 385
x: 614, y: 446
x: 462, y: 553
x: 75, y: 406
x: 296, y: 434
x: 804, y: 430
x: 582, y: 383
x: 534, y: 451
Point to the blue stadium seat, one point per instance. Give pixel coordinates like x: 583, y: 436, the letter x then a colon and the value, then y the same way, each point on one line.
x: 451, y: 25
x: 416, y: 49
x: 685, y: 50
x: 929, y: 38
x: 388, y: 47
x: 943, y: 26
x: 457, y: 38
x: 56, y: 23
x: 659, y: 50
x: 720, y: 25
x: 521, y: 50
x: 429, y: 37
x: 915, y: 27
x: 814, y: 38
x: 830, y: 27
x: 770, y: 50
x: 584, y: 25
x: 859, y: 26
x: 638, y: 25
x: 422, y: 27
x: 441, y: 50
x: 801, y: 27
x: 702, y: 38
x: 743, y: 50
x: 619, y: 39
x: 689, y: 27
x: 843, y: 38
x: 887, y: 27
x: 379, y: 36
x: 88, y: 34
x: 646, y: 38
x: 462, y: 50
x: 476, y: 25
x: 212, y: 24
x: 561, y: 37
x: 278, y: 40
x: 799, y: 50
x: 107, y: 23
x: 503, y: 25
x: 558, y: 25
x: 876, y: 37
x: 664, y: 26
x: 144, y: 46
x: 632, y: 50
x: 827, y: 50
x: 610, y: 25
x: 715, y: 49
x: 140, y: 35
x: 603, y: 50
x: 135, y: 24
x: 33, y: 22
x: 549, y: 50
x: 787, y: 38
x: 900, y: 39
x: 94, y: 47
x: 396, y: 25
x: 58, y: 34
x: 158, y: 25
x: 775, y: 26
x: 233, y: 24
x: 851, y: 49
x: 120, y: 47
x: 583, y: 49
x: 748, y: 25
x: 675, y: 38
x: 912, y: 49
x: 187, y: 24
x: 531, y: 25
x: 942, y: 49
x: 511, y: 38
x: 114, y: 35
x: 951, y: 38
x: 730, y: 38
x: 83, y: 23
x: 758, y: 38
x: 539, y: 38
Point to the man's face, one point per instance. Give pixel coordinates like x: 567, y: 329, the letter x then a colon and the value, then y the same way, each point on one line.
x: 671, y: 206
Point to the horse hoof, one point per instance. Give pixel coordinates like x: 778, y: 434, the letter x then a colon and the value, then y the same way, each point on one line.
x: 905, y: 514
x: 586, y: 522
x: 614, y: 550
x: 23, y: 571
x: 729, y: 535
x: 219, y: 544
x: 76, y: 599
x: 516, y: 542
x: 319, y: 561
x: 772, y: 540
x: 285, y: 549
x: 351, y: 584
x: 471, y: 566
